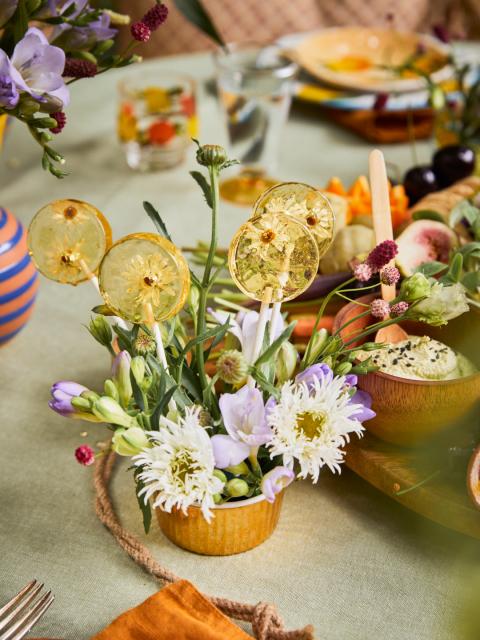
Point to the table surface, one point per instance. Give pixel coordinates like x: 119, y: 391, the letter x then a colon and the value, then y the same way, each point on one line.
x: 344, y: 557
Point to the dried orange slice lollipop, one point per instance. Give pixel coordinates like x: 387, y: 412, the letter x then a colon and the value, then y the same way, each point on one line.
x: 306, y: 204
x: 67, y: 240
x: 144, y: 278
x: 273, y: 258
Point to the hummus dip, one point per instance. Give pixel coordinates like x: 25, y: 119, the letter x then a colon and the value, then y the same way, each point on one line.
x: 421, y: 358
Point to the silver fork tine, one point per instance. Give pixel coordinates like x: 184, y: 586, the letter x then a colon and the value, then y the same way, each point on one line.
x: 23, y: 592
x: 21, y: 606
x: 27, y: 621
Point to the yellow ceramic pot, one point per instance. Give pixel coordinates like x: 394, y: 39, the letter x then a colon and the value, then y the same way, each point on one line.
x: 236, y: 526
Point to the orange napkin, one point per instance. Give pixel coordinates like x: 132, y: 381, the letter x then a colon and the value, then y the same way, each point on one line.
x: 178, y: 611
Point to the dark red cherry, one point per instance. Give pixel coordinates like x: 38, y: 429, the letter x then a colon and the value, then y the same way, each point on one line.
x: 418, y: 182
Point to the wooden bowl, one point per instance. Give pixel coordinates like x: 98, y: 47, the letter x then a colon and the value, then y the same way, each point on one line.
x: 409, y: 412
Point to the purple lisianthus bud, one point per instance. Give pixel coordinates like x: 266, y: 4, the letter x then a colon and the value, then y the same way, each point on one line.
x: 363, y: 399
x: 62, y: 394
x: 275, y: 481
x: 320, y: 372
x: 227, y: 451
x: 121, y: 376
x: 244, y: 416
x: 9, y: 94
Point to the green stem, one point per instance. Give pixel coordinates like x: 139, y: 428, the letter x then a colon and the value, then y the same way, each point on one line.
x: 202, y: 303
x: 418, y: 484
x: 374, y: 327
x: 320, y: 313
x: 345, y: 325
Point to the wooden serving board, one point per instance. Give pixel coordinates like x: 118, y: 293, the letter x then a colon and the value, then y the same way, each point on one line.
x: 390, y: 469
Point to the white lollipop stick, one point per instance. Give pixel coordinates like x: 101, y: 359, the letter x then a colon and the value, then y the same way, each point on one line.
x: 260, y: 332
x: 94, y: 281
x: 157, y: 334
x: 275, y: 320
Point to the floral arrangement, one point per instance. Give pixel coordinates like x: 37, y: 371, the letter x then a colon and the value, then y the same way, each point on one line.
x: 203, y: 414
x: 45, y: 46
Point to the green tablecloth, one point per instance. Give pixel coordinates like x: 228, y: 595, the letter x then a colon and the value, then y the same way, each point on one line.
x: 345, y: 558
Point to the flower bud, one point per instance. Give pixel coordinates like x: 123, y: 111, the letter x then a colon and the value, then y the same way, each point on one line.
x: 121, y: 377
x: 319, y: 341
x: 43, y: 123
x: 110, y: 389
x: 129, y: 442
x: 117, y: 18
x: 108, y: 410
x: 91, y: 396
x: 343, y: 368
x: 415, y: 287
x: 80, y: 403
x: 101, y: 330
x: 105, y: 45
x: 211, y: 155
x: 194, y: 298
x: 218, y: 498
x: 220, y: 475
x: 238, y: 469
x: 275, y: 481
x: 28, y: 106
x: 286, y: 363
x: 144, y: 343
x: 232, y: 367
x: 237, y: 488
x: 137, y: 367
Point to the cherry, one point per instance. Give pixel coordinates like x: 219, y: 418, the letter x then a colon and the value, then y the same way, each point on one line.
x: 418, y: 182
x: 453, y: 163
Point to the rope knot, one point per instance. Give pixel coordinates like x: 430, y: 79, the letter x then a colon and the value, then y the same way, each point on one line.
x: 266, y: 621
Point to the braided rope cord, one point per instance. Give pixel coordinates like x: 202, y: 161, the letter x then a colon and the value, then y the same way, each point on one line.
x: 266, y: 622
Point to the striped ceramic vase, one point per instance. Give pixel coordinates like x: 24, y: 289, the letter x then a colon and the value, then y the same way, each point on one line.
x: 18, y: 277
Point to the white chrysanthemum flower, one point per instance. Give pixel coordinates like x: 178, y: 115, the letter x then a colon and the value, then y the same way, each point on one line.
x: 312, y: 423
x: 178, y: 468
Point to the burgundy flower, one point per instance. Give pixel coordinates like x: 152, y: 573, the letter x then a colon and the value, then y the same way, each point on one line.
x: 85, y: 455
x: 380, y: 309
x: 441, y: 32
x: 76, y: 68
x: 380, y: 102
x: 61, y: 119
x: 399, y: 308
x: 390, y: 275
x: 363, y: 272
x: 140, y: 31
x: 381, y: 255
x: 155, y: 16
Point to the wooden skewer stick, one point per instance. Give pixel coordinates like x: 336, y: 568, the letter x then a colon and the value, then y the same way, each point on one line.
x: 260, y: 332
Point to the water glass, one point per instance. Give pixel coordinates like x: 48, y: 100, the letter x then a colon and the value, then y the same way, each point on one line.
x: 255, y: 86
x: 156, y: 119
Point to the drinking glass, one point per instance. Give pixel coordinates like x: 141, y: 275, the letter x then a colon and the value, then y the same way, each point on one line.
x: 156, y: 119
x: 254, y: 87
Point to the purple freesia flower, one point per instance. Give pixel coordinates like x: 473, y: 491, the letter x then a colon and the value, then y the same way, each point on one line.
x: 36, y: 67
x: 227, y: 451
x: 7, y: 9
x: 244, y: 416
x: 316, y: 371
x: 8, y: 91
x: 275, y: 481
x: 363, y: 399
x: 74, y: 38
x: 62, y: 394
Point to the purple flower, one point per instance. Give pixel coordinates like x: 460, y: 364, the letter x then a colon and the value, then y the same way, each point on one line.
x: 381, y: 255
x: 74, y: 38
x: 36, y: 68
x: 227, y: 451
x: 275, y: 481
x: 8, y: 91
x: 7, y: 9
x: 244, y: 416
x: 62, y: 394
x: 351, y: 380
x: 316, y: 371
x: 121, y: 376
x: 364, y: 399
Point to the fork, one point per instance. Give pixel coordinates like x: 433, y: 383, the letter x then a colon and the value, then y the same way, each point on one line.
x: 23, y: 611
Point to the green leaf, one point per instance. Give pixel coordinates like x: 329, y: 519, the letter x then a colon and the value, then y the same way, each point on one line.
x: 456, y: 265
x: 431, y: 268
x: 276, y: 344
x: 428, y: 214
x: 196, y: 14
x: 463, y: 209
x: 103, y: 310
x: 204, y: 186
x: 471, y: 281
x: 137, y: 393
x: 211, y: 333
x: 125, y: 337
x: 191, y: 383
x: 162, y: 405
x: 20, y: 21
x: 470, y: 250
x: 144, y: 507
x: 264, y: 384
x: 155, y: 217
